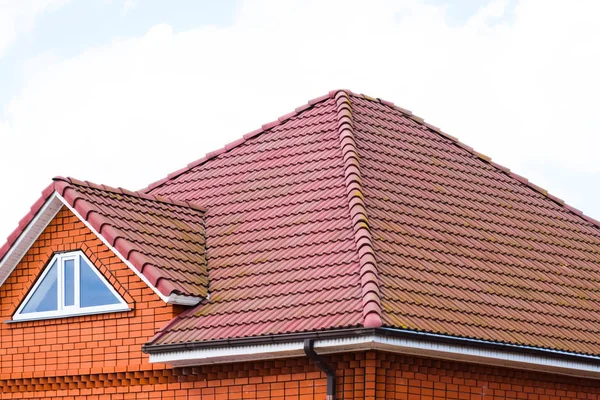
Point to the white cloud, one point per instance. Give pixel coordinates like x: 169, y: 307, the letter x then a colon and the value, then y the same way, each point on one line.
x: 521, y: 89
x: 17, y: 16
x: 128, y: 5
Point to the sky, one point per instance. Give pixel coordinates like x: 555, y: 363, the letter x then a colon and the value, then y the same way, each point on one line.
x: 123, y: 92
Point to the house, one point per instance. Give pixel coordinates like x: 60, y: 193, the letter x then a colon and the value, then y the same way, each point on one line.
x: 347, y: 250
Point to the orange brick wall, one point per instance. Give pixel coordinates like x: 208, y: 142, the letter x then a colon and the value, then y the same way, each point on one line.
x: 365, y: 375
x: 77, y: 345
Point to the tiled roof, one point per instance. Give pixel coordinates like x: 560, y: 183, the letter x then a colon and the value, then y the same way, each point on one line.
x: 280, y: 242
x: 467, y: 249
x: 353, y: 212
x: 162, y: 238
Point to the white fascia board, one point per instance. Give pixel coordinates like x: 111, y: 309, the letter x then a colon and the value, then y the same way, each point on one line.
x: 229, y: 354
x: 414, y: 347
x: 29, y: 235
x: 172, y: 299
x: 219, y: 355
x: 183, y: 300
x: 488, y: 356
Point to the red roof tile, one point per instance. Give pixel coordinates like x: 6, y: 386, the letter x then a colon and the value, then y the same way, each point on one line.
x: 162, y: 238
x: 353, y: 212
x: 280, y: 242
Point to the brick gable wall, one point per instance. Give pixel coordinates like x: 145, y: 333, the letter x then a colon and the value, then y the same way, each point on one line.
x: 77, y: 345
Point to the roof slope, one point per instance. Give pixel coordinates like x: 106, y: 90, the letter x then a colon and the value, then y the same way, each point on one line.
x: 352, y: 205
x: 465, y: 249
x: 163, y: 239
x: 280, y: 243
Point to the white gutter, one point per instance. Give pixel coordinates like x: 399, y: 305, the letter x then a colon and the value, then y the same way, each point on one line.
x: 552, y: 363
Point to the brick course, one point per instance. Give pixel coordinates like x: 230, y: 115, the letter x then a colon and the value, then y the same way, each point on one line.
x: 363, y: 375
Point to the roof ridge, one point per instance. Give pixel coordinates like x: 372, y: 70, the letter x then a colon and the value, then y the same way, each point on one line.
x: 371, y: 301
x: 250, y: 135
x: 483, y: 157
x: 126, y: 192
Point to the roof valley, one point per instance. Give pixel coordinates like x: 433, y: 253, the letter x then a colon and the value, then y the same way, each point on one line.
x: 371, y: 301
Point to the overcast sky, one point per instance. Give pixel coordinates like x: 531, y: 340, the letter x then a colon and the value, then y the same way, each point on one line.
x: 124, y: 92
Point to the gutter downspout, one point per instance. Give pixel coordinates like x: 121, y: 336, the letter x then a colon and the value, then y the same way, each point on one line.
x: 310, y: 352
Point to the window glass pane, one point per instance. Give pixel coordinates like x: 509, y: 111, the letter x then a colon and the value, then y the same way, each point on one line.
x: 45, y: 297
x: 93, y: 290
x: 69, y: 286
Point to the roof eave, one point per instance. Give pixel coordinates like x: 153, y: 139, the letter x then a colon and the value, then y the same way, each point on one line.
x: 382, y: 339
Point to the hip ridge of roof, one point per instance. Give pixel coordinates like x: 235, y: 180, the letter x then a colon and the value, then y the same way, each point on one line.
x: 371, y: 295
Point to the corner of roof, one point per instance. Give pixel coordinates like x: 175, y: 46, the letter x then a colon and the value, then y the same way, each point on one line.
x: 482, y: 157
x: 35, y: 208
x: 371, y: 300
x: 165, y: 328
x: 248, y: 136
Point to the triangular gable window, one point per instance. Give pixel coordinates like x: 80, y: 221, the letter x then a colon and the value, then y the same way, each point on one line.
x: 70, y: 285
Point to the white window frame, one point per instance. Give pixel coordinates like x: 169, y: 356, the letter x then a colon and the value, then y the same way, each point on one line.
x: 75, y: 309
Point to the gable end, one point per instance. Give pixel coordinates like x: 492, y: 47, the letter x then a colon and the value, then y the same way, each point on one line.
x: 46, y: 208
